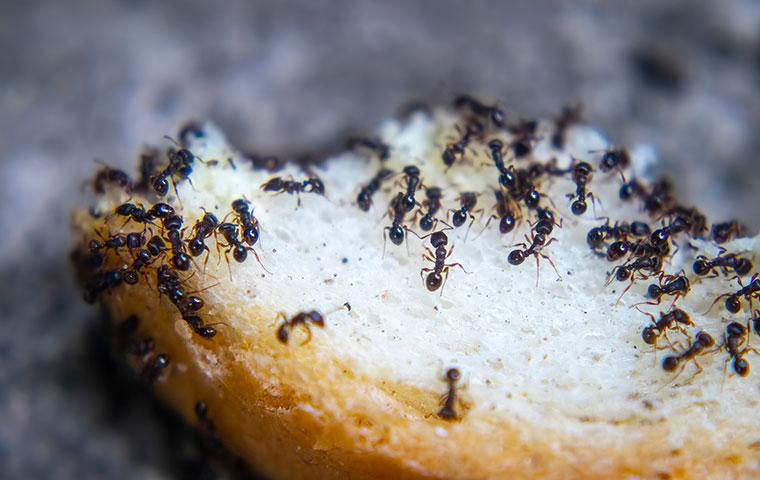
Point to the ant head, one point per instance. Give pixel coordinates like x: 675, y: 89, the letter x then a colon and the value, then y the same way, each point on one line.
x: 438, y: 239
x: 452, y: 374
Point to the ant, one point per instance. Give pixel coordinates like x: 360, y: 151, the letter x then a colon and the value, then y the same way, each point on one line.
x: 143, y: 258
x: 478, y: 108
x: 156, y: 245
x: 113, y: 176
x: 735, y: 336
x: 582, y: 173
x: 434, y: 280
x: 660, y: 237
x: 301, y: 318
x: 615, y: 159
x: 204, y: 422
x: 467, y: 202
x: 702, y: 342
x: 433, y: 204
x: 239, y: 251
x: 288, y: 185
x: 505, y: 212
x: 113, y: 242
x: 382, y: 150
x: 674, y: 319
x: 364, y: 199
x: 172, y: 225
x: 180, y: 162
x: 733, y: 301
x: 617, y: 250
x: 396, y: 230
x: 412, y: 178
x: 524, y: 132
x: 628, y: 271
x: 449, y: 399
x: 660, y: 198
x: 723, y: 232
x: 755, y: 321
x: 196, y: 324
x: 160, y: 210
x: 202, y: 229
x: 248, y: 223
x: 134, y: 213
x: 570, y: 115
x: 676, y: 285
x: 100, y: 283
x: 454, y: 150
x: 630, y: 189
x: 537, y: 243
x: 702, y: 265
x: 506, y: 175
x: 154, y: 368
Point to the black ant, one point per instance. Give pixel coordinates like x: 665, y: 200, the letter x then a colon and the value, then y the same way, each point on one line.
x: 288, y: 185
x: 202, y: 229
x: 674, y: 319
x: 571, y: 115
x: 173, y: 224
x: 412, y: 179
x: 506, y: 175
x: 113, y: 242
x: 454, y: 150
x: 435, y: 280
x: 735, y: 336
x: 630, y: 189
x: 101, y: 282
x: 248, y: 223
x: 524, y: 131
x: 478, y: 108
x: 733, y: 302
x: 660, y: 198
x: 302, y: 318
x: 676, y: 285
x: 506, y: 211
x: 537, y: 243
x: 156, y: 245
x: 180, y: 162
x: 433, y: 204
x: 755, y: 322
x: 467, y: 202
x: 113, y: 176
x: 702, y: 342
x: 582, y: 173
x: 382, y: 150
x: 622, y: 273
x: 239, y: 251
x: 703, y: 265
x: 155, y: 368
x: 396, y: 230
x: 723, y: 232
x: 133, y: 213
x: 160, y: 210
x: 617, y: 250
x: 615, y: 159
x: 364, y: 199
x: 204, y: 422
x: 449, y: 399
x: 661, y: 236
x: 143, y: 258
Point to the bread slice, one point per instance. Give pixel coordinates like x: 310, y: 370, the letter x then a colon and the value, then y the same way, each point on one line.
x: 555, y: 378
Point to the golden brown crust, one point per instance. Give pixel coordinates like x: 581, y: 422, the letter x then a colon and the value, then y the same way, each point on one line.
x: 292, y: 412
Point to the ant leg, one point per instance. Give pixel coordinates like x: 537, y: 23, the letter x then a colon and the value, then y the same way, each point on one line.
x: 384, y: 240
x: 258, y: 259
x: 446, y: 271
x: 552, y: 264
x: 448, y: 265
x: 227, y: 259
x: 486, y: 227
x: 308, y: 334
x: 716, y: 301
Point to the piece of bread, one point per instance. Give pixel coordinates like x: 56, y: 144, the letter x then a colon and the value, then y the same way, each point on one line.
x: 555, y: 378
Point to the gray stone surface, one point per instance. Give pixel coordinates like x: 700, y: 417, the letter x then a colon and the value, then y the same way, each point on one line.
x: 87, y: 79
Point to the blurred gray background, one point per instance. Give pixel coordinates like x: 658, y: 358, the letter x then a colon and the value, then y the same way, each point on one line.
x: 83, y: 80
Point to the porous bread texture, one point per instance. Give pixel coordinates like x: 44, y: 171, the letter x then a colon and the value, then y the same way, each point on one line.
x: 557, y: 382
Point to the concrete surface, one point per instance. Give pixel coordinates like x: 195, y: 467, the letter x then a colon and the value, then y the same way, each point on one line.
x: 86, y: 79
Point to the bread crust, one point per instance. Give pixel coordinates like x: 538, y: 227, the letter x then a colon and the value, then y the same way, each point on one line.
x: 294, y: 411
